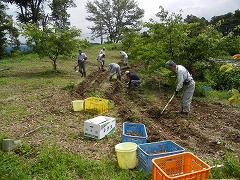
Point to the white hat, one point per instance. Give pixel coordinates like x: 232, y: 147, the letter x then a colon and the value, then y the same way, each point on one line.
x: 127, y: 72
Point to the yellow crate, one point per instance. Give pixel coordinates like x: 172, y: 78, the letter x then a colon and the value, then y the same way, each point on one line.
x: 96, y: 105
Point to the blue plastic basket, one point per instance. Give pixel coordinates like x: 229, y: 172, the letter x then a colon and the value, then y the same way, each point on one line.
x: 134, y: 132
x: 149, y: 151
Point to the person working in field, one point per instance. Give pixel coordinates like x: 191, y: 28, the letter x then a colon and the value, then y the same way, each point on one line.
x: 185, y: 80
x: 101, y: 61
x: 82, y: 57
x: 102, y: 51
x: 124, y: 57
x: 134, y: 80
x: 114, y: 68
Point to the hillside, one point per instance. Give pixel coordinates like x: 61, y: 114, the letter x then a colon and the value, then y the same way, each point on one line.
x: 32, y: 95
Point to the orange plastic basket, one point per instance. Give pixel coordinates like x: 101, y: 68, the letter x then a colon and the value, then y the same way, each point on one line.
x: 183, y: 166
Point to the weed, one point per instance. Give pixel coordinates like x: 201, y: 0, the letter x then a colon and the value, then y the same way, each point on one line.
x: 230, y: 169
x: 69, y: 86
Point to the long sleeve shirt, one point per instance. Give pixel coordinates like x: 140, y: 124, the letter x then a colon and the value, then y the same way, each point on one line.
x: 133, y: 76
x: 82, y: 57
x: 124, y: 54
x: 100, y: 57
x: 113, y: 66
x: 183, y: 76
x: 102, y: 51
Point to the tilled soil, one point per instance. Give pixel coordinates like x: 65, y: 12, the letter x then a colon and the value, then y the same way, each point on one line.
x: 210, y: 130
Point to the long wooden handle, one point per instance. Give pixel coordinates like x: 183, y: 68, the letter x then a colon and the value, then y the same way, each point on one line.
x: 168, y: 103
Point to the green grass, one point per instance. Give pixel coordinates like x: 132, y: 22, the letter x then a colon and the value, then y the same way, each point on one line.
x: 230, y: 169
x: 54, y: 163
x: 13, y: 111
x: 213, y: 95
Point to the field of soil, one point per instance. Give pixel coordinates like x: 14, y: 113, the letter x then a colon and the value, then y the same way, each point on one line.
x: 209, y: 131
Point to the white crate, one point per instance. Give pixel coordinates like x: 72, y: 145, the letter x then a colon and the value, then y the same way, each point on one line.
x: 99, y: 126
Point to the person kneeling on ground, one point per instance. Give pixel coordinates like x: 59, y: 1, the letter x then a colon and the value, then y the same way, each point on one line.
x: 184, y: 79
x: 134, y: 80
x: 114, y: 68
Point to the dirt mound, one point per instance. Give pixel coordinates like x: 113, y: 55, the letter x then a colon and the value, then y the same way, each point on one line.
x: 90, y: 83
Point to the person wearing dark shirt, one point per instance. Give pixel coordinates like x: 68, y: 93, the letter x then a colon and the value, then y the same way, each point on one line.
x: 134, y: 80
x: 81, y: 59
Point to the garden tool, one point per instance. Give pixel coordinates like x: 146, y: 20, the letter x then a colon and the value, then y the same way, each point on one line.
x: 168, y: 103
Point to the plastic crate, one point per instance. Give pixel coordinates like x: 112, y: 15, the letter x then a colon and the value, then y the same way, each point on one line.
x: 148, y: 151
x: 96, y: 105
x: 180, y: 166
x: 134, y: 132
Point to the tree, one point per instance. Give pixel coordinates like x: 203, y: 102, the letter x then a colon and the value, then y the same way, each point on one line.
x: 228, y: 22
x: 59, y: 12
x: 31, y: 11
x: 200, y: 24
x: 52, y: 42
x: 6, y: 29
x: 171, y: 38
x: 113, y: 17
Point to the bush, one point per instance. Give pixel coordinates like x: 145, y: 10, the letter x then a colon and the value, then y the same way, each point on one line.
x: 223, y: 80
x: 230, y: 169
x: 198, y: 71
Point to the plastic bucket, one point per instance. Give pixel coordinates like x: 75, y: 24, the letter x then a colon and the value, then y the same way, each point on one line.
x: 126, y: 155
x: 78, y: 105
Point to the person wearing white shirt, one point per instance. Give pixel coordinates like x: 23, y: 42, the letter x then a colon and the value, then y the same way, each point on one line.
x: 124, y: 57
x: 101, y: 61
x: 184, y: 79
x: 102, y: 51
x: 114, y: 68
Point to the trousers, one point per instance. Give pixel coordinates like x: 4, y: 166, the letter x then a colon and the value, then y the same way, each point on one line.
x: 187, y: 96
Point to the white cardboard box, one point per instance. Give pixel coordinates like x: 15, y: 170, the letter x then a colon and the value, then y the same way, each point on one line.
x: 99, y: 126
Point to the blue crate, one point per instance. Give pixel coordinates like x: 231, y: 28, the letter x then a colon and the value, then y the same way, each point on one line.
x: 149, y: 151
x: 134, y: 132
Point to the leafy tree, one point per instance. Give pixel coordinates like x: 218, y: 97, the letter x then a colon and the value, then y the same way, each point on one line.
x: 6, y: 29
x: 113, y: 17
x: 228, y: 22
x: 59, y: 12
x: 171, y: 38
x: 31, y: 11
x: 52, y: 42
x: 200, y: 24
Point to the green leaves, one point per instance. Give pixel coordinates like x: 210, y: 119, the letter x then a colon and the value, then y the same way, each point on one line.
x: 113, y: 17
x: 52, y: 42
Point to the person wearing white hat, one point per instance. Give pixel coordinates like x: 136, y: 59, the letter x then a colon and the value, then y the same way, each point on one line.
x: 184, y: 79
